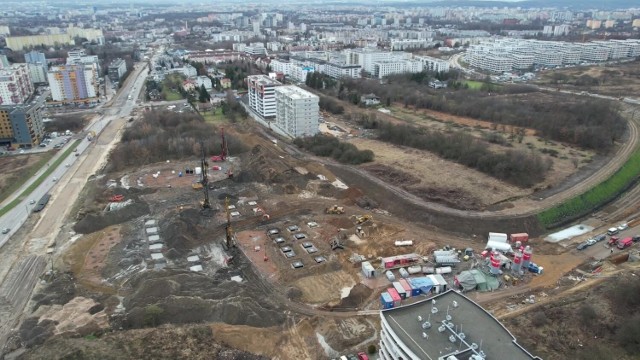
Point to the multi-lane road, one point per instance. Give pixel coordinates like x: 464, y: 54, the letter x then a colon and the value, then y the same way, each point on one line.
x: 119, y: 108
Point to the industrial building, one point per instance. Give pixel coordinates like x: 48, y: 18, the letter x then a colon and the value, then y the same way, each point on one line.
x: 447, y: 326
x: 117, y: 69
x: 15, y: 84
x: 297, y: 111
x: 72, y: 83
x: 22, y: 125
x: 262, y: 95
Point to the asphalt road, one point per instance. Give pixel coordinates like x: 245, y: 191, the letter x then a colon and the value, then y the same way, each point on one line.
x: 119, y: 107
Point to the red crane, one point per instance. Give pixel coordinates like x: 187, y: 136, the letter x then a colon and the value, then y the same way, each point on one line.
x: 223, y: 146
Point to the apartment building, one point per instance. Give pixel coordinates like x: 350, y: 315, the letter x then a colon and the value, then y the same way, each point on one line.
x: 117, y: 69
x: 15, y: 84
x: 25, y: 42
x: 262, y: 95
x: 446, y: 326
x: 337, y: 71
x: 22, y: 124
x: 37, y: 65
x: 433, y: 64
x: 70, y: 83
x: 297, y: 111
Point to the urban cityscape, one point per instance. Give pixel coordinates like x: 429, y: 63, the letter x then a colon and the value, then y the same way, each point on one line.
x: 320, y: 180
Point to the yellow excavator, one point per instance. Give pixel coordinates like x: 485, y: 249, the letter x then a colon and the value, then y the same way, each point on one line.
x: 335, y: 209
x: 361, y: 219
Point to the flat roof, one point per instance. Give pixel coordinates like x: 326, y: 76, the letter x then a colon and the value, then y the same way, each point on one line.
x: 262, y: 80
x: 295, y: 92
x: 477, y: 324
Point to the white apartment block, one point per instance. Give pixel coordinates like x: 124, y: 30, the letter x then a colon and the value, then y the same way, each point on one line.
x: 297, y: 111
x: 496, y: 55
x: 299, y: 73
x: 338, y: 71
x: 15, y: 84
x: 262, y: 95
x: 281, y: 66
x: 433, y: 64
x: 73, y: 82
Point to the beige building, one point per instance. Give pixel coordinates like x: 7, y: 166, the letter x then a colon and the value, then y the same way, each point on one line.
x: 4, y: 30
x: 25, y: 42
x: 636, y: 23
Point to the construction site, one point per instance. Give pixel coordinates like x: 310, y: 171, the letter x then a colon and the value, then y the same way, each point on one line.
x: 270, y: 252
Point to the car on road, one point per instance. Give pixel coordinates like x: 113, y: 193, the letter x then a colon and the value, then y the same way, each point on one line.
x: 583, y: 245
x: 55, y: 179
x: 31, y: 202
x: 5, y: 230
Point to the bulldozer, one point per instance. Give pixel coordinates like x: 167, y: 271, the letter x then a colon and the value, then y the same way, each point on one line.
x: 335, y: 209
x: 361, y: 219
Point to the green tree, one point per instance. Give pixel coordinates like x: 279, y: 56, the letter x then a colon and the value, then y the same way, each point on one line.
x: 152, y: 314
x: 203, y: 94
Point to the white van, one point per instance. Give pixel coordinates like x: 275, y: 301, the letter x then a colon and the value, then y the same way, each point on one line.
x: 612, y: 231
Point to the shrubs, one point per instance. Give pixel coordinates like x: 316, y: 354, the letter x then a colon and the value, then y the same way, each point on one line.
x: 330, y: 105
x: 516, y: 167
x: 328, y: 146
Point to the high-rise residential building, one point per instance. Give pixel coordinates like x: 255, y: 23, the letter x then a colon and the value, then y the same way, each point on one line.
x: 15, y: 84
x: 73, y: 82
x: 78, y: 57
x: 24, y: 42
x: 22, y: 125
x: 37, y: 66
x: 262, y: 95
x: 297, y: 111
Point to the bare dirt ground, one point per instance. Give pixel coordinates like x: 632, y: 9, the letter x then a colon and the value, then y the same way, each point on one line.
x: 621, y: 80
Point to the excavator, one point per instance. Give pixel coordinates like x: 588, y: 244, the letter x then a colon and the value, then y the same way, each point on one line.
x: 361, y: 219
x: 335, y: 209
x: 229, y: 236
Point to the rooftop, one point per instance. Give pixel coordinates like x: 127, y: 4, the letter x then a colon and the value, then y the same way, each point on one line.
x: 295, y: 92
x: 262, y: 80
x: 479, y: 328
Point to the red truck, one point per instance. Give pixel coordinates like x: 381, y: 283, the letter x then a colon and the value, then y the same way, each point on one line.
x: 625, y: 243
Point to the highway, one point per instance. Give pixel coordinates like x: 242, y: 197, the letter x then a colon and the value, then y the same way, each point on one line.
x: 118, y: 107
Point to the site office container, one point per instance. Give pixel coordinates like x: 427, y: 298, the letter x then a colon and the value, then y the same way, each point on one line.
x: 625, y: 243
x: 407, y: 287
x: 400, y: 289
x: 522, y: 237
x: 387, y: 300
x: 394, y: 296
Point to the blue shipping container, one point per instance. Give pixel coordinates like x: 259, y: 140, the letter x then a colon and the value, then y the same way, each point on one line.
x: 387, y: 301
x: 420, y: 285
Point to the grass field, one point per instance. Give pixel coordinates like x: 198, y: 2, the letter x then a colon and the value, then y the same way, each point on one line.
x: 41, y: 179
x: 171, y: 95
x: 473, y: 85
x: 596, y: 197
x: 14, y: 182
x: 211, y: 117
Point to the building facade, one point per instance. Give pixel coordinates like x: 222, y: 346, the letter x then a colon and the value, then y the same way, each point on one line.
x: 117, y: 69
x: 297, y: 111
x: 22, y: 125
x: 262, y: 95
x: 25, y: 42
x: 72, y: 83
x: 15, y: 84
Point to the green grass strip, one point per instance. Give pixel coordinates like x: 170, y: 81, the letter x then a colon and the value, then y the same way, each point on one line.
x: 40, y: 179
x: 595, y: 197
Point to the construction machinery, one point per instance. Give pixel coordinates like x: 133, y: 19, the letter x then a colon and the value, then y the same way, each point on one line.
x: 91, y: 135
x: 360, y: 232
x: 205, y: 180
x: 229, y: 236
x: 223, y: 151
x: 335, y: 209
x: 361, y: 219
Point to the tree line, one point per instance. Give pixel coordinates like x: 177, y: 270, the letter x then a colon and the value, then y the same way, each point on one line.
x: 520, y: 168
x: 589, y: 123
x: 329, y: 146
x: 161, y: 136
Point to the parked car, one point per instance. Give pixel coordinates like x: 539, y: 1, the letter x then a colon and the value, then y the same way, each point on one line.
x: 591, y: 241
x: 600, y: 237
x: 612, y: 231
x: 6, y: 230
x: 582, y: 245
x: 362, y: 356
x: 623, y: 227
x: 636, y: 238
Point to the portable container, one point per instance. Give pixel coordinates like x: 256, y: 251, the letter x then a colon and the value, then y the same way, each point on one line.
x: 400, y: 289
x: 386, y: 300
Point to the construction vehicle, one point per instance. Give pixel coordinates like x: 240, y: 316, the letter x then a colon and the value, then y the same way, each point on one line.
x: 197, y: 185
x: 361, y: 219
x: 335, y: 209
x: 360, y: 233
x: 91, y: 135
x: 116, y: 198
x: 224, y: 150
x: 229, y: 236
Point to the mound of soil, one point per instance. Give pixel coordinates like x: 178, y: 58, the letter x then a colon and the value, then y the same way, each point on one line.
x: 58, y: 292
x: 186, y: 297
x: 190, y: 342
x: 356, y: 298
x: 455, y: 198
x: 95, y: 222
x: 185, y: 231
x: 392, y: 176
